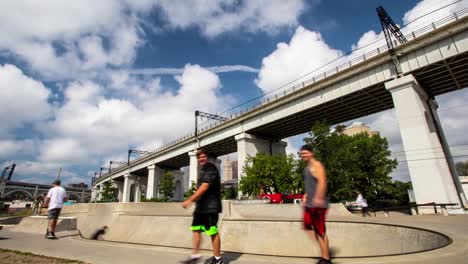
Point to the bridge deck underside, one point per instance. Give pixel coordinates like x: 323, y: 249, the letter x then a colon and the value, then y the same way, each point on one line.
x: 438, y: 78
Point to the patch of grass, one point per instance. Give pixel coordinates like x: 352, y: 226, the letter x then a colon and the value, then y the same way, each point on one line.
x: 20, y: 213
x: 42, y: 257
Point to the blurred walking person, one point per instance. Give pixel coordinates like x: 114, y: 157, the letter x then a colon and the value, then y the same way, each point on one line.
x: 208, y: 206
x: 54, y: 202
x: 315, y: 201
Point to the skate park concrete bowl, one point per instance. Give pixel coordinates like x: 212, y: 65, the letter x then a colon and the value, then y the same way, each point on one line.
x: 264, y: 229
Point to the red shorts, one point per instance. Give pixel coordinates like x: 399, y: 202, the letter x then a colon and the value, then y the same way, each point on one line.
x: 314, y: 218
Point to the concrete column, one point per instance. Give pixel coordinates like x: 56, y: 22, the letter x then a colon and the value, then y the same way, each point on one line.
x: 249, y: 145
x: 120, y: 186
x: 126, y: 188
x: 154, y: 176
x: 94, y: 194
x: 193, y: 171
x: 429, y: 167
x: 101, y: 189
x: 138, y: 190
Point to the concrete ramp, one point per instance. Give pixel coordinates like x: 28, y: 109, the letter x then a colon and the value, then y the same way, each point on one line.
x: 38, y: 224
x: 265, y: 229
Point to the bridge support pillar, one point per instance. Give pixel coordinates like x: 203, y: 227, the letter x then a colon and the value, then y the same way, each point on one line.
x: 154, y: 176
x: 428, y: 155
x: 94, y: 193
x: 119, y: 186
x: 249, y: 145
x: 128, y: 179
x: 138, y: 189
x: 101, y: 189
x: 193, y: 170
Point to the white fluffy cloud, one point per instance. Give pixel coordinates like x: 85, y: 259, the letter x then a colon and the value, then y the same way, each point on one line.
x: 214, y: 17
x: 23, y: 100
x: 90, y: 126
x: 306, y: 51
x: 62, y: 40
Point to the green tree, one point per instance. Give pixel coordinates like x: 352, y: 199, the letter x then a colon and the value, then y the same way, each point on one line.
x: 230, y: 193
x: 462, y: 168
x: 360, y: 162
x: 191, y: 190
x: 272, y: 174
x: 109, y: 192
x: 167, y: 186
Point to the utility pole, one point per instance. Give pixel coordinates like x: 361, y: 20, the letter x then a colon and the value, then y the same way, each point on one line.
x: 115, y: 162
x: 199, y: 114
x: 391, y: 29
x: 131, y: 151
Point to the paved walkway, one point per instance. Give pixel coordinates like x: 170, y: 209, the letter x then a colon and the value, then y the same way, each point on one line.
x: 71, y: 246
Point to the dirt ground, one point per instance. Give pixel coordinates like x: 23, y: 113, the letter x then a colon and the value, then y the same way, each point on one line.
x: 17, y: 257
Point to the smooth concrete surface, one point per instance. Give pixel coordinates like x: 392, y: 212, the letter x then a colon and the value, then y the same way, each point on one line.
x: 430, y: 172
x: 71, y: 246
x: 266, y: 229
x: 39, y: 224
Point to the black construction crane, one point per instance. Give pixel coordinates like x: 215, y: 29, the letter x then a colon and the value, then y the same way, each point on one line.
x: 200, y: 114
x: 391, y: 29
x: 115, y: 162
x: 8, y: 171
x: 139, y: 152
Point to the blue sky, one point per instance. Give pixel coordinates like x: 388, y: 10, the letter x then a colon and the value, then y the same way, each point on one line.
x: 72, y: 94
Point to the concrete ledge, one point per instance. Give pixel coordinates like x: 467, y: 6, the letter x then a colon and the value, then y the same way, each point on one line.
x: 38, y: 224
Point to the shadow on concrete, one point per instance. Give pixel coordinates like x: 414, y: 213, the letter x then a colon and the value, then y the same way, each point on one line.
x: 334, y: 251
x: 228, y: 257
x: 4, y: 238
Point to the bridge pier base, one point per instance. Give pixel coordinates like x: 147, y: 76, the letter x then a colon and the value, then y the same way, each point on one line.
x: 427, y: 153
x: 249, y: 145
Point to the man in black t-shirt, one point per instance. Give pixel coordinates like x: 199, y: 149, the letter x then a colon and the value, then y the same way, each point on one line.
x: 208, y: 207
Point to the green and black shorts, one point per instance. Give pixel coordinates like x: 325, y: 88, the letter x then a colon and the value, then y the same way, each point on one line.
x: 206, y: 222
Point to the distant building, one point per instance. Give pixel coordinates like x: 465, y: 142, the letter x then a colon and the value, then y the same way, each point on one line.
x: 80, y: 185
x: 357, y: 128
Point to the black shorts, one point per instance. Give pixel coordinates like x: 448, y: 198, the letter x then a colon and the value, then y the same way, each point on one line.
x: 206, y: 222
x: 54, y: 213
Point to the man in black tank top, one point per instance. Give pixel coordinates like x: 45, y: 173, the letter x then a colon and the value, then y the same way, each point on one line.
x: 208, y: 206
x: 315, y: 201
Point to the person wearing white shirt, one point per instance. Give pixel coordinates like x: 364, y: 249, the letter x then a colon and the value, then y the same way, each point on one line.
x: 54, y: 201
x: 363, y: 204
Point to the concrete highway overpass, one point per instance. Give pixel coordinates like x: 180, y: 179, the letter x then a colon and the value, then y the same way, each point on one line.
x: 434, y: 61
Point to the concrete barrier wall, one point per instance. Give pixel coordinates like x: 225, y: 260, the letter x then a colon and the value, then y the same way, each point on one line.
x: 267, y: 229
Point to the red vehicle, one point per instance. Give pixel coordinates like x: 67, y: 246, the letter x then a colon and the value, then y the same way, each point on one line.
x: 277, y: 198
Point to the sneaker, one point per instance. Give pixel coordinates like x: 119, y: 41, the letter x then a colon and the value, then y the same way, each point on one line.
x: 213, y: 260
x: 50, y: 235
x: 191, y: 261
x: 324, y: 261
